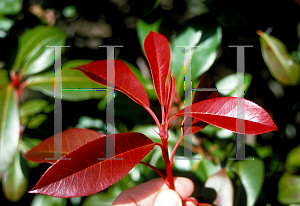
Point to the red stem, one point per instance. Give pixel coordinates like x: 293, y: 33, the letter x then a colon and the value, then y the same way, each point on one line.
x: 170, y: 181
x: 155, y: 169
x: 171, y: 118
x: 174, y: 149
x: 153, y: 116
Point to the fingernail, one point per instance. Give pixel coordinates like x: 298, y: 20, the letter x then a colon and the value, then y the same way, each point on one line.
x: 168, y: 198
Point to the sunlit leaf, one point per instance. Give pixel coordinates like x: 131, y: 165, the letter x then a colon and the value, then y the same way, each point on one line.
x: 147, y: 83
x: 9, y: 127
x: 279, y: 61
x: 158, y: 53
x: 229, y: 83
x: 14, y: 182
x: 66, y: 178
x: 33, y: 56
x: 222, y: 184
x: 72, y: 80
x: 127, y: 82
x: 251, y: 173
x: 5, y: 25
x: 198, y: 125
x: 222, y: 112
x: 170, y: 94
x: 206, y: 36
x: 71, y: 139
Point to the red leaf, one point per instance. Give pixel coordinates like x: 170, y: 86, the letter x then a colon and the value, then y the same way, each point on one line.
x: 125, y: 80
x: 158, y: 53
x: 222, y: 112
x: 197, y: 125
x: 171, y: 94
x: 85, y: 174
x: 71, y: 139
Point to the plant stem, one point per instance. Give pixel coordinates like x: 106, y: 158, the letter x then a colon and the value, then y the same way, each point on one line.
x: 155, y: 169
x: 170, y: 181
x: 162, y: 114
x: 153, y: 116
x: 174, y: 149
x: 171, y: 118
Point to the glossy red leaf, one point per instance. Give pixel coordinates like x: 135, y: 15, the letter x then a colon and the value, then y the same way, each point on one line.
x: 171, y: 94
x: 158, y: 53
x: 71, y: 139
x: 222, y: 112
x: 86, y: 174
x: 197, y: 125
x: 125, y: 80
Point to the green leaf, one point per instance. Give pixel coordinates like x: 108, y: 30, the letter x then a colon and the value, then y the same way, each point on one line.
x: 32, y: 107
x: 33, y: 56
x: 264, y: 152
x: 207, y: 37
x: 75, y: 200
x: 88, y: 122
x: 205, y: 55
x: 36, y: 121
x: 69, y: 11
x: 107, y: 198
x: 28, y: 143
x: 5, y: 25
x: 230, y: 82
x: 144, y: 28
x: 222, y: 184
x: 14, y: 182
x: 9, y: 127
x: 10, y: 7
x: 45, y: 200
x: 102, y: 198
x: 278, y: 60
x: 251, y: 173
x: 25, y: 145
x: 288, y: 189
x: 188, y: 37
x: 150, y: 132
x: 71, y: 80
x: 4, y: 80
x: 293, y: 157
x: 205, y: 169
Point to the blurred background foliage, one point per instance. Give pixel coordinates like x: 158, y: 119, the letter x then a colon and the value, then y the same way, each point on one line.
x: 271, y: 80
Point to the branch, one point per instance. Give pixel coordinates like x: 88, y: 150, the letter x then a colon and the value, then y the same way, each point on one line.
x: 155, y: 169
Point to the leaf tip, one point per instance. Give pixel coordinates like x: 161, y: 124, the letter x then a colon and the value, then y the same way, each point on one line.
x: 260, y: 33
